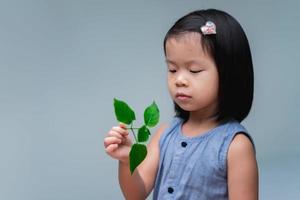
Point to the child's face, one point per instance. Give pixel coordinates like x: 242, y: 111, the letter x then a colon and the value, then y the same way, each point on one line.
x: 185, y: 57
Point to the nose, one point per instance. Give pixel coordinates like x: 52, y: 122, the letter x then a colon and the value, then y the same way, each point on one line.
x: 181, y: 81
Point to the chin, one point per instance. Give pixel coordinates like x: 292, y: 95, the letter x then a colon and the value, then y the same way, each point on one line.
x: 185, y: 107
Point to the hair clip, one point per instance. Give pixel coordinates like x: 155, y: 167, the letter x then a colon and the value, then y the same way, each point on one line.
x: 209, y: 28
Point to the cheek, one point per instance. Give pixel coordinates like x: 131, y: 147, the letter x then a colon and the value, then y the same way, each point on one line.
x: 210, y: 85
x: 213, y: 82
x: 170, y: 80
x: 170, y: 84
x: 214, y: 87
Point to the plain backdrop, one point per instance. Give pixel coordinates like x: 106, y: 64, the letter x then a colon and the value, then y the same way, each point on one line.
x: 62, y: 63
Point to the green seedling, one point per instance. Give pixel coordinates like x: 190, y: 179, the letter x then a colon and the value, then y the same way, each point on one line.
x: 126, y: 115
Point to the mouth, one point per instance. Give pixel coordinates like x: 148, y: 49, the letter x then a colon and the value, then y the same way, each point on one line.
x: 179, y: 94
x: 182, y: 96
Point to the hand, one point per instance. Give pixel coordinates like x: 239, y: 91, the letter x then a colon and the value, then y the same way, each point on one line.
x: 117, y: 143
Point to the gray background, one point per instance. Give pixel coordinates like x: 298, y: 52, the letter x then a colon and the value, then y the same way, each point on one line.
x: 63, y: 62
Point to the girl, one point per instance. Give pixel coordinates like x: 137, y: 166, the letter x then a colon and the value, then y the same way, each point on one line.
x: 204, y: 152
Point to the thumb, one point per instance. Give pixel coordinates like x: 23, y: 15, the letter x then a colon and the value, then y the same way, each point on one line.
x: 122, y: 125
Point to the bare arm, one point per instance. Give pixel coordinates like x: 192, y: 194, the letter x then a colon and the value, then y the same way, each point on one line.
x: 133, y: 187
x: 242, y: 169
x: 140, y: 184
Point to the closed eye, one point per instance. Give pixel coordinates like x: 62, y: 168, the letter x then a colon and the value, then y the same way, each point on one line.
x: 172, y: 71
x: 196, y: 71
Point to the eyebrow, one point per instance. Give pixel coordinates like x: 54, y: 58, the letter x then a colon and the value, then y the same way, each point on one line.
x: 189, y: 62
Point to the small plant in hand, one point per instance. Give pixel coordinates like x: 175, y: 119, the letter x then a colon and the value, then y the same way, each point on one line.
x: 126, y: 115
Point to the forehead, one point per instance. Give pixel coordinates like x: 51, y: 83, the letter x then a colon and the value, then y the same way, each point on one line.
x: 185, y: 47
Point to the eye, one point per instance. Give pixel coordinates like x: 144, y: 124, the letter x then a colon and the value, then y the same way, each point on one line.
x: 172, y: 71
x: 194, y: 72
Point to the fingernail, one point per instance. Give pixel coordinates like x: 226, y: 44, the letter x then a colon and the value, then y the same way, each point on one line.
x: 122, y: 125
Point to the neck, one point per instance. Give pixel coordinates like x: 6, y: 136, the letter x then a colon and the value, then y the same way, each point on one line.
x: 203, y: 116
x: 197, y: 125
x: 202, y: 120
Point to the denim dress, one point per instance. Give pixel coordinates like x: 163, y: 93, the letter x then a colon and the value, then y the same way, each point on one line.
x: 195, y: 168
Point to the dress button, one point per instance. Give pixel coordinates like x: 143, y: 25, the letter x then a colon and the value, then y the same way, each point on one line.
x: 183, y: 144
x: 170, y: 190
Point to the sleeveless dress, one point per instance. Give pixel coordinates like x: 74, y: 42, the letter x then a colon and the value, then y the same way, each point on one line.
x: 195, y: 168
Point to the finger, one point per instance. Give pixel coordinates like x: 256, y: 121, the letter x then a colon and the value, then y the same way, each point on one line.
x: 111, y: 140
x: 120, y: 130
x: 111, y: 148
x: 112, y: 133
x: 122, y: 125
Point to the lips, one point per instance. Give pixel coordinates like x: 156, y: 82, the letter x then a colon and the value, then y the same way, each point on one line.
x: 179, y: 94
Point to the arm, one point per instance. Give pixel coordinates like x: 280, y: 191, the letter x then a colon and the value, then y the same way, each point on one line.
x: 242, y: 169
x: 139, y: 185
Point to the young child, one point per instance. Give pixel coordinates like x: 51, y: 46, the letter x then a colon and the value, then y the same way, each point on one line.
x: 204, y: 153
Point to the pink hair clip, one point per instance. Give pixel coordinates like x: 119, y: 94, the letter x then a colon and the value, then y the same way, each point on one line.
x: 209, y: 28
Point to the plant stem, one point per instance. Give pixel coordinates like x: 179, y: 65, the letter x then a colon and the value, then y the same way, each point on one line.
x: 133, y: 133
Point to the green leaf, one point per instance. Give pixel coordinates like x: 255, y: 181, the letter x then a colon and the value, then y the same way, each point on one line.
x: 151, y: 115
x: 137, y: 154
x: 143, y: 134
x: 123, y: 112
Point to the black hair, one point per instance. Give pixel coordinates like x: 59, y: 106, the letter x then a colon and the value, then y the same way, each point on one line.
x: 230, y: 50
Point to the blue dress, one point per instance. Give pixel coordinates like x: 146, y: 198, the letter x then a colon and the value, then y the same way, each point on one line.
x: 195, y: 168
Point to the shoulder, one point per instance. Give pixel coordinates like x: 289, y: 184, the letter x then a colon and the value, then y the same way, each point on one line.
x: 164, y: 126
x: 241, y: 154
x: 240, y: 146
x: 239, y: 139
x: 235, y: 142
x: 159, y: 131
x: 242, y: 168
x: 157, y: 134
